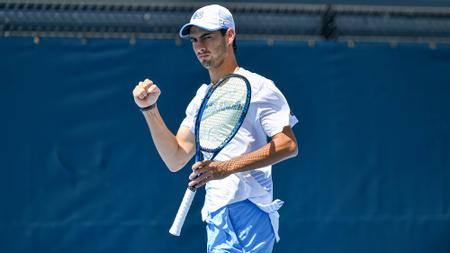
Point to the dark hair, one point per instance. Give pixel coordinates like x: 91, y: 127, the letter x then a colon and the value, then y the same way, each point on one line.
x: 223, y: 32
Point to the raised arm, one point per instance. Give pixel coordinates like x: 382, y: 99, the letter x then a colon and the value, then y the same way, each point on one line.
x: 175, y: 150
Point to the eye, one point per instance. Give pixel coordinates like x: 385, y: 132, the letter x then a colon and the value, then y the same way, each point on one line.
x: 207, y: 37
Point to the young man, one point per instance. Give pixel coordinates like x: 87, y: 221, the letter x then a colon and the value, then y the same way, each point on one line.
x: 239, y: 210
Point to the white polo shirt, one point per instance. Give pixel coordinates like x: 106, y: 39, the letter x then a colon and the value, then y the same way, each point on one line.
x: 268, y: 114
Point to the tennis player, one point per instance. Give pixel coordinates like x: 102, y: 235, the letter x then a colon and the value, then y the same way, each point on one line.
x: 239, y: 209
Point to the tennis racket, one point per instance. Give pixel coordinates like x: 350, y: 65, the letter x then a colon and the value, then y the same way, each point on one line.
x: 219, y: 118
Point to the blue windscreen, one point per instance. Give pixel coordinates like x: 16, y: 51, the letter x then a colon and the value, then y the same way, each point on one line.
x: 79, y: 171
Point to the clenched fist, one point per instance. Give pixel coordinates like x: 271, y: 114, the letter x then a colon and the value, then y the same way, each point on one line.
x: 146, y: 93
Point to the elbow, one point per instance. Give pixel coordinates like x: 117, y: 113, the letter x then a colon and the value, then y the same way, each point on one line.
x: 286, y: 143
x: 174, y: 167
x: 292, y: 149
x: 289, y: 142
x: 176, y: 161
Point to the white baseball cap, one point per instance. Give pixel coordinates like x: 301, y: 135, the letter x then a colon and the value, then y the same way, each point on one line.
x: 211, y: 18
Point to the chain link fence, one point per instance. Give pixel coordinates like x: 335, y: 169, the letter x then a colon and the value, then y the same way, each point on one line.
x: 263, y: 21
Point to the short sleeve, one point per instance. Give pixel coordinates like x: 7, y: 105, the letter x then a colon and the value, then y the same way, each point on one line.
x: 273, y: 109
x: 192, y: 109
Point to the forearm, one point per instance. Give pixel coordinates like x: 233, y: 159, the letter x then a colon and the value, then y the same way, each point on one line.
x: 167, y: 145
x: 271, y: 153
x: 281, y: 147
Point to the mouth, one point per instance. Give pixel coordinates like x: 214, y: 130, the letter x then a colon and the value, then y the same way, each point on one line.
x: 202, y: 56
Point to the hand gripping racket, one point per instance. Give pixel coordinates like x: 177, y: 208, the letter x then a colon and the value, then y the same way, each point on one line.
x: 219, y: 117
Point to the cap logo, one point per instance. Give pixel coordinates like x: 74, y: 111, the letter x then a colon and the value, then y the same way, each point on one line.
x: 197, y: 15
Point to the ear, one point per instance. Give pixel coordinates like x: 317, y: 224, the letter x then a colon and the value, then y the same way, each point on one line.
x: 231, y: 35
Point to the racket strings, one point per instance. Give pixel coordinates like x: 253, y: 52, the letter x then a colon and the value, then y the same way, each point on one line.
x: 222, y: 113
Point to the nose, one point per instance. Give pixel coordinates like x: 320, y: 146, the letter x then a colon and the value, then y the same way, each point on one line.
x: 199, y: 47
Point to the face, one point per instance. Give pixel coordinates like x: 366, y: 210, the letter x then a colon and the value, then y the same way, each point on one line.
x: 209, y: 47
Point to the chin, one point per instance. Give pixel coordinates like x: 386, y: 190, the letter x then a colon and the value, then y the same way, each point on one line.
x: 206, y: 65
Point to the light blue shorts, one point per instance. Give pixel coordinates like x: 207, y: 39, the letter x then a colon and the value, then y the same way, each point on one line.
x: 239, y: 227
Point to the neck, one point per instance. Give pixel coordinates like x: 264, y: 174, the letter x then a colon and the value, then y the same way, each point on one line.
x: 228, y: 66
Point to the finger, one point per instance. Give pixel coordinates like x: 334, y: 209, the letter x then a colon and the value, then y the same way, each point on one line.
x: 147, y: 83
x: 193, y: 176
x: 197, y: 165
x: 201, y: 167
x: 138, y: 91
x: 152, y: 88
x: 142, y: 93
x: 198, y: 173
x: 202, y: 182
x: 192, y: 184
x: 199, y: 182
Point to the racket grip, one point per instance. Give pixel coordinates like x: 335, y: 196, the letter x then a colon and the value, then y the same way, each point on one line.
x: 182, y: 212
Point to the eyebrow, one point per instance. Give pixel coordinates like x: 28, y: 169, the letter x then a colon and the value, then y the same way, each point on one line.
x: 202, y: 36
x: 205, y: 34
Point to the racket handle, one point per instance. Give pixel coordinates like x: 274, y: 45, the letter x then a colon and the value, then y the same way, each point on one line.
x: 182, y: 212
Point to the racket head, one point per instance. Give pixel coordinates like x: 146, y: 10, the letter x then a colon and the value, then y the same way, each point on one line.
x: 221, y: 114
